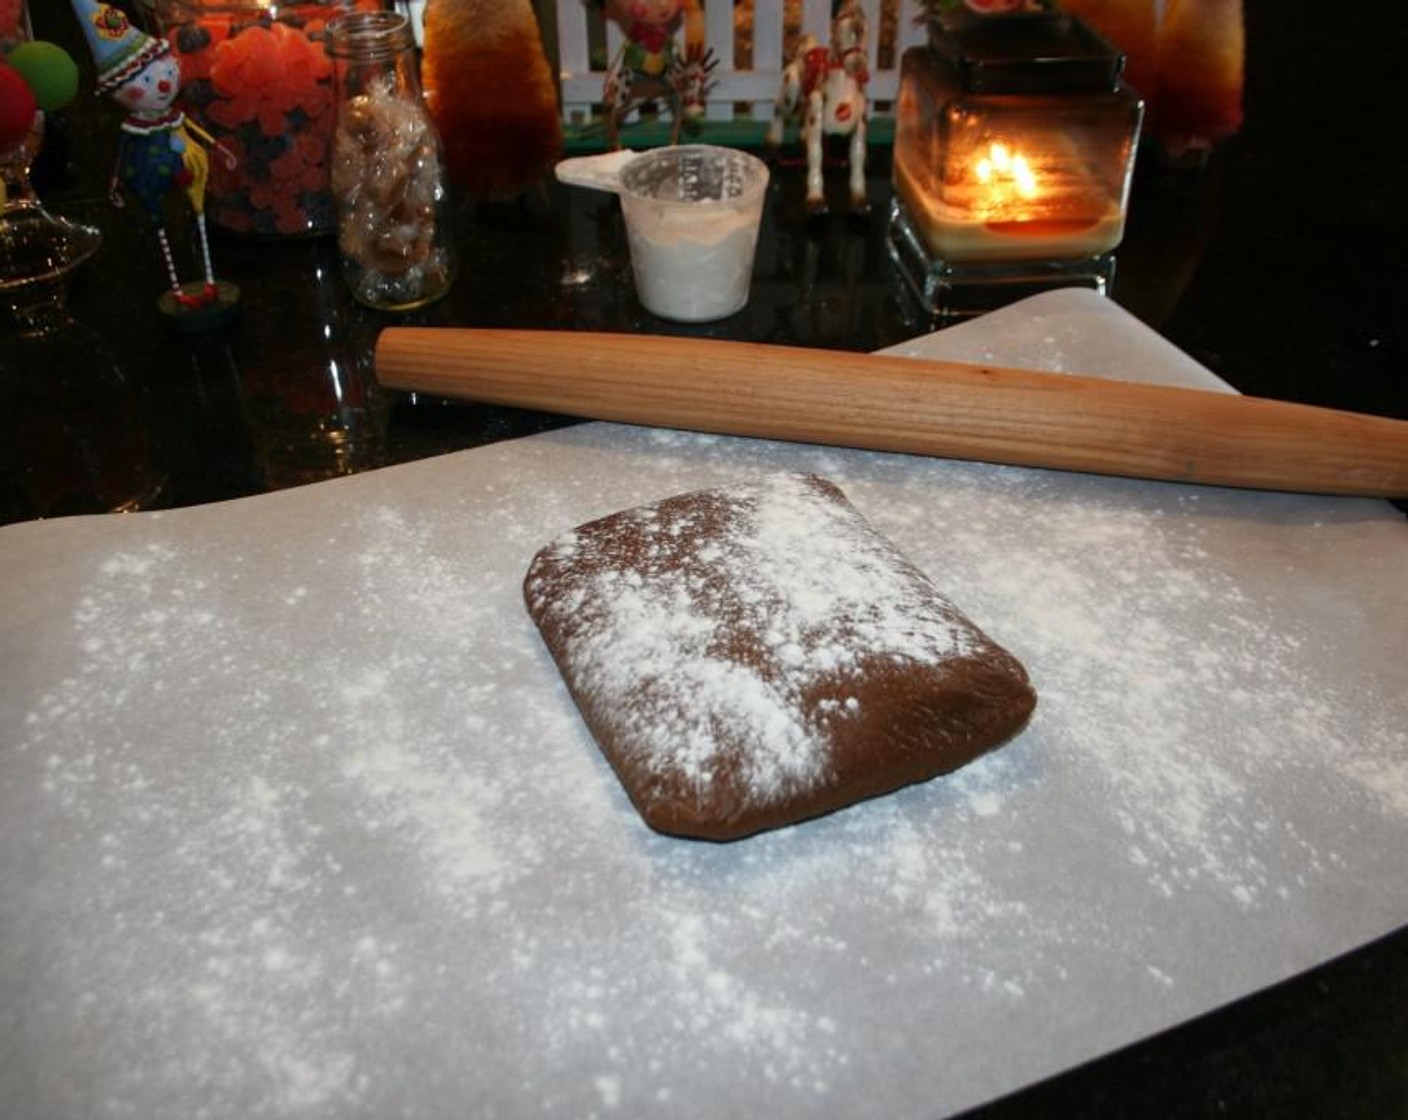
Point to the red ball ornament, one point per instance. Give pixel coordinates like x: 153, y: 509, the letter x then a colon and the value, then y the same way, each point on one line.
x: 17, y: 105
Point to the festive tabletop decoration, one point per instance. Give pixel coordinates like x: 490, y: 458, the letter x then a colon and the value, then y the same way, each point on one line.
x: 257, y: 77
x: 1186, y: 58
x: 40, y: 250
x: 824, y: 86
x: 35, y: 78
x: 491, y: 94
x: 49, y: 71
x: 159, y: 151
x: 651, y: 64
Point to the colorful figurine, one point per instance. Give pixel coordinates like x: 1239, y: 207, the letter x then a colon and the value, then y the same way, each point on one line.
x: 651, y: 65
x: 158, y: 151
x: 825, y: 87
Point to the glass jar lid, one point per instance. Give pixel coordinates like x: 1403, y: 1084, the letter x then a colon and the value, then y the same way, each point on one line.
x: 1026, y: 52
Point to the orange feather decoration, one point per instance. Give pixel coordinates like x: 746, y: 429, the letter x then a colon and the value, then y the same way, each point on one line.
x: 1201, y: 58
x: 491, y: 93
x: 1187, y: 66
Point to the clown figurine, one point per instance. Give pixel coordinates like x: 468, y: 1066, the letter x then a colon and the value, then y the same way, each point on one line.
x: 158, y: 152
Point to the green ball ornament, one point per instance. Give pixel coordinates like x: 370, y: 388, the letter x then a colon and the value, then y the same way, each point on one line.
x: 49, y: 71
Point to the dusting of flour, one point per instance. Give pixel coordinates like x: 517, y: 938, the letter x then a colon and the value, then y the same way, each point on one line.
x: 773, y: 609
x: 313, y: 829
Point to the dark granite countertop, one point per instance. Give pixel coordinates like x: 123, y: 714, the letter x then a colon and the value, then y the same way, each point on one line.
x: 1277, y: 266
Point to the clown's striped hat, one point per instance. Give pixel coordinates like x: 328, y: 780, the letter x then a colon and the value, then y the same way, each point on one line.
x: 120, y: 50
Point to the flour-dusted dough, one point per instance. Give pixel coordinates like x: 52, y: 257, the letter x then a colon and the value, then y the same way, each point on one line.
x: 751, y: 656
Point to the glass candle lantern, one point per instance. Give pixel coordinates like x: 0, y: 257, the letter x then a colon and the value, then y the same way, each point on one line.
x: 254, y: 74
x: 1014, y: 151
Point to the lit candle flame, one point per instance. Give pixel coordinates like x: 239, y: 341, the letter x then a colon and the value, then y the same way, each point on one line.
x: 1002, y: 165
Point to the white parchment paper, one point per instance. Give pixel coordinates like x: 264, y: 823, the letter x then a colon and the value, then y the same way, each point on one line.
x: 297, y: 819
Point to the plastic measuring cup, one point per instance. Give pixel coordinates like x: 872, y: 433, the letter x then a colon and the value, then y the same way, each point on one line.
x: 692, y: 214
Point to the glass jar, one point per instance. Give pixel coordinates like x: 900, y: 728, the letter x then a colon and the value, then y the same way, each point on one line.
x: 254, y: 75
x: 1014, y: 151
x: 72, y: 436
x: 143, y: 13
x: 387, y: 168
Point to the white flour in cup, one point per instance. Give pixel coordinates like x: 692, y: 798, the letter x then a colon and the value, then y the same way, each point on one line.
x: 692, y: 216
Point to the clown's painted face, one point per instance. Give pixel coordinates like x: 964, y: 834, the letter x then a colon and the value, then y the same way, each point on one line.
x: 153, y: 89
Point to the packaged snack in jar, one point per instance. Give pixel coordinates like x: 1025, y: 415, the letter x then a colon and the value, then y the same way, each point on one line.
x: 387, y: 168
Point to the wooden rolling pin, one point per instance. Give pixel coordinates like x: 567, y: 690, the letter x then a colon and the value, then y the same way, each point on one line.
x: 950, y: 409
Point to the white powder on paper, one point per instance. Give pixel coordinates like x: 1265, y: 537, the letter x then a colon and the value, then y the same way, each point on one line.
x: 320, y: 833
x: 1145, y: 651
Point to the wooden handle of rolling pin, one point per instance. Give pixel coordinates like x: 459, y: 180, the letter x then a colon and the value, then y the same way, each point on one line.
x: 949, y: 409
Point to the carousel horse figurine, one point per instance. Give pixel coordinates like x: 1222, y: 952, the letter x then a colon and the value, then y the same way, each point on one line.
x: 825, y: 87
x: 650, y: 65
x: 158, y: 150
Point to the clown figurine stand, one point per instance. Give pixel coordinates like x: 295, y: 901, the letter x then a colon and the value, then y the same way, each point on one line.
x: 158, y: 154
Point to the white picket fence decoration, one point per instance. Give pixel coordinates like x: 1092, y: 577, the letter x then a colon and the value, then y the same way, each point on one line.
x: 414, y: 10
x: 753, y: 89
x: 737, y: 92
